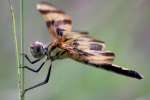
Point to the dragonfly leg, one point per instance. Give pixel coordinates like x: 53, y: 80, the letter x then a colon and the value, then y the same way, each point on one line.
x: 29, y: 60
x: 34, y: 70
x: 40, y: 84
x: 33, y: 62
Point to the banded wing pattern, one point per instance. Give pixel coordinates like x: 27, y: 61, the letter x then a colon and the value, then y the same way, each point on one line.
x: 55, y: 18
x: 79, y: 45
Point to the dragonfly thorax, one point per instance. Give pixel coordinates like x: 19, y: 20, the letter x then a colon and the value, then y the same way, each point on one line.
x: 38, y: 49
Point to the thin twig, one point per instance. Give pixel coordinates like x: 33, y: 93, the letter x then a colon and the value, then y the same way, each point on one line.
x: 18, y: 58
x: 22, y: 49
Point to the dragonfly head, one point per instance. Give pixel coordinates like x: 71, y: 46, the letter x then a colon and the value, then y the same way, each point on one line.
x: 38, y: 49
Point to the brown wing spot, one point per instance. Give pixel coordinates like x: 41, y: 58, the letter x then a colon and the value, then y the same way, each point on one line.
x: 75, y: 43
x: 67, y: 21
x: 60, y: 31
x: 50, y: 23
x: 42, y: 11
x: 94, y: 40
x: 83, y: 33
x: 95, y: 47
x: 57, y: 23
x: 108, y: 54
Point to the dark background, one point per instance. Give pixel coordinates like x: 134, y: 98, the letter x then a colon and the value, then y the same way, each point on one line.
x: 123, y: 24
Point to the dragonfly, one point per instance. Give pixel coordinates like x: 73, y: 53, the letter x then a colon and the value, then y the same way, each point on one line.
x: 79, y: 46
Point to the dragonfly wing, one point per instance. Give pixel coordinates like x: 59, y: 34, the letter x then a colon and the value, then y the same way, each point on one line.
x: 55, y: 18
x: 82, y: 46
x: 82, y: 41
x: 88, y: 50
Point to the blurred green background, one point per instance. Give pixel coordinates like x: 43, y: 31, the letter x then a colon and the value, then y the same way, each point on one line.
x: 123, y: 24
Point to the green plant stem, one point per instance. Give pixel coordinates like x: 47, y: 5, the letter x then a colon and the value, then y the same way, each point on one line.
x: 19, y: 60
x: 22, y: 49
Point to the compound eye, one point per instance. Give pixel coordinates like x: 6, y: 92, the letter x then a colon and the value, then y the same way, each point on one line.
x: 38, y: 49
